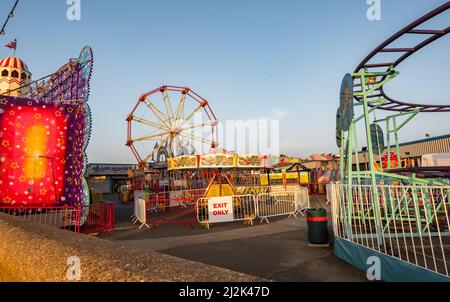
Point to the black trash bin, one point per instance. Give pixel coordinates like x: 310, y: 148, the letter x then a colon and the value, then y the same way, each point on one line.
x: 317, y: 226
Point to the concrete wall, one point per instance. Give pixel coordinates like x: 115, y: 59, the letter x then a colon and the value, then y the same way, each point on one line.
x: 30, y: 252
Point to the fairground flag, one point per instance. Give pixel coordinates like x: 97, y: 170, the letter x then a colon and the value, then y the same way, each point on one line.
x: 12, y: 44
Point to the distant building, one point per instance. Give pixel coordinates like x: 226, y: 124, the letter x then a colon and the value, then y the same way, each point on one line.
x: 411, y: 152
x: 107, y: 178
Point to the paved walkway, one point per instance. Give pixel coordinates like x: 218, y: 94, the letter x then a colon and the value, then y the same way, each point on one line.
x: 277, y: 251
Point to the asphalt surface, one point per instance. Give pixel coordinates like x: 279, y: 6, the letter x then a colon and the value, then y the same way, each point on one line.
x: 278, y: 251
x: 40, y: 253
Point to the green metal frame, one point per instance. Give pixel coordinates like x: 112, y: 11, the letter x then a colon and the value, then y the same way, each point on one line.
x: 393, y: 125
x: 349, y: 155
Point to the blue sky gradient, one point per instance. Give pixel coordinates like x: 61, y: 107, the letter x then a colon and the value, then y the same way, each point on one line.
x: 248, y: 58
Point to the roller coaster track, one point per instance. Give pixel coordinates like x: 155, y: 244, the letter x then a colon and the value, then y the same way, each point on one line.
x: 369, y: 65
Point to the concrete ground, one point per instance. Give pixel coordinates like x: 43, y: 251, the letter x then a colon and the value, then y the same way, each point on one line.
x: 277, y: 251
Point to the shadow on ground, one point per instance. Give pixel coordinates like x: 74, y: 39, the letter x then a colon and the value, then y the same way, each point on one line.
x: 278, y: 251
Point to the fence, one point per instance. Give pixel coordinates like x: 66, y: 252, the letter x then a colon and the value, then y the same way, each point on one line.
x: 90, y: 219
x: 241, y: 207
x: 66, y: 218
x: 280, y: 204
x: 140, y: 212
x: 409, y: 223
x: 99, y: 219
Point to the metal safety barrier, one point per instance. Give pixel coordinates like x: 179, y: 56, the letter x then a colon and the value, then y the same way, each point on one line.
x: 276, y: 204
x: 238, y: 208
x: 410, y: 223
x: 140, y: 212
x: 98, y: 218
x: 283, y: 203
x: 67, y: 218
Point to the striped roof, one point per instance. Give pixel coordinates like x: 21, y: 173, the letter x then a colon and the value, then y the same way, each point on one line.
x: 13, y: 62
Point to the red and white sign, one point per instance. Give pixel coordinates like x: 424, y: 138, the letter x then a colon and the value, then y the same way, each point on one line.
x: 220, y: 209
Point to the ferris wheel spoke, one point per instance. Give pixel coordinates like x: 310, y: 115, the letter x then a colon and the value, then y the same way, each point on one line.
x: 149, y: 123
x: 161, y: 143
x: 149, y: 137
x: 168, y: 106
x: 197, y: 138
x: 209, y: 123
x: 190, y: 116
x: 180, y: 108
x: 159, y: 115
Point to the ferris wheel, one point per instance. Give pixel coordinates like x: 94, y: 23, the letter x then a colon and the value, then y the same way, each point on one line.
x: 171, y: 121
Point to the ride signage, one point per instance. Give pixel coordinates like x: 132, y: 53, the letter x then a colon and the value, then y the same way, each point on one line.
x: 220, y: 209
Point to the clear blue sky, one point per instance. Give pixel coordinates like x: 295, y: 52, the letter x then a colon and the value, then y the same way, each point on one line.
x: 249, y: 58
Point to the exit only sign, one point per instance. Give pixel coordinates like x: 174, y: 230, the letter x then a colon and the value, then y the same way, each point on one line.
x: 220, y: 209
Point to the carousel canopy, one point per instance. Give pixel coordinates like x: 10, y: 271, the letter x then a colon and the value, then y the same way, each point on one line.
x: 217, y: 160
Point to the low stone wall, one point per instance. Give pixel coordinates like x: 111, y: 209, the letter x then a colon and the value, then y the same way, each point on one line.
x: 30, y: 252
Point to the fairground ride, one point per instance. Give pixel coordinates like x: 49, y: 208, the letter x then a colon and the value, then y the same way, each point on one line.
x: 170, y: 121
x: 398, y: 214
x: 50, y: 120
x: 364, y: 89
x: 173, y: 130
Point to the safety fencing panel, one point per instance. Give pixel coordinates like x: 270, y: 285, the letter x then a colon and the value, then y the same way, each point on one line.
x: 226, y: 209
x: 67, y: 218
x: 410, y: 223
x: 138, y: 215
x: 98, y: 218
x: 276, y: 204
x: 302, y: 200
x: 282, y: 203
x: 140, y: 212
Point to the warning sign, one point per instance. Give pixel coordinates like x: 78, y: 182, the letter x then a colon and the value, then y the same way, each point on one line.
x: 220, y: 209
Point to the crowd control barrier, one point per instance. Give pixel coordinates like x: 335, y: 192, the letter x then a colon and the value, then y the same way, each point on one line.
x: 212, y: 210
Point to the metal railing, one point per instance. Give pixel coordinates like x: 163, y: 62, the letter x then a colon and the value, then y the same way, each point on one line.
x: 98, y: 218
x: 410, y: 223
x: 67, y: 218
x: 276, y: 204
